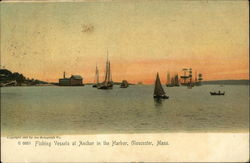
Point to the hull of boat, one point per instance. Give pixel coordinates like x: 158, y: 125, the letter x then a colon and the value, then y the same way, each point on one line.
x: 161, y: 97
x: 217, y: 94
x: 123, y: 86
x: 105, y: 87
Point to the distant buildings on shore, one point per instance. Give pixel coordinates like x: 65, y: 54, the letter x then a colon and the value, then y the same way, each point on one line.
x: 74, y: 80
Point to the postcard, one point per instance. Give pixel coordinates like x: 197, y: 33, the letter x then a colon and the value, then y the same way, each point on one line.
x: 125, y: 81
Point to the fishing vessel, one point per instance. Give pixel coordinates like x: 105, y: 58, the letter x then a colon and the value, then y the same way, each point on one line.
x: 159, y: 92
x: 217, y: 93
x: 96, y: 81
x: 124, y: 84
x: 107, y: 83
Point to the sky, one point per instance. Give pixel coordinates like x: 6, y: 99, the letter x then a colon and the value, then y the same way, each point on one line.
x: 43, y: 39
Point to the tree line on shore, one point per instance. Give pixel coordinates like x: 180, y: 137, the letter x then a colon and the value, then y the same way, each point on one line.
x: 14, y: 78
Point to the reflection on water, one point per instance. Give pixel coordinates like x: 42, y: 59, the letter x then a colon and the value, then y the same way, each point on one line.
x: 158, y: 102
x: 78, y: 110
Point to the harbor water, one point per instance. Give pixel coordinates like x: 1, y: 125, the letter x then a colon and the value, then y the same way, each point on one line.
x: 54, y: 110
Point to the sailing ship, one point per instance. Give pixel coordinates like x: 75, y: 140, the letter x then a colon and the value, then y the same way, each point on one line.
x: 107, y: 83
x: 159, y: 92
x: 96, y: 82
x: 190, y: 84
x: 173, y: 82
x: 187, y: 79
x: 124, y: 84
x: 169, y: 81
x: 176, y: 81
x: 184, y: 77
x: 198, y: 80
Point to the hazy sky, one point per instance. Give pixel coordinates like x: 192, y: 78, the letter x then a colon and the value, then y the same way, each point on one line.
x: 41, y: 40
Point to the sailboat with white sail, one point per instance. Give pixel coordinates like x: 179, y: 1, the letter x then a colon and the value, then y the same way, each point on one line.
x: 159, y: 92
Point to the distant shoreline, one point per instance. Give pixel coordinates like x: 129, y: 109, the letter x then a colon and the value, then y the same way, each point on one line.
x: 226, y: 82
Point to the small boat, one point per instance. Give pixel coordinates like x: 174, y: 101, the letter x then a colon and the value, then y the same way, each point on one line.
x: 159, y: 92
x: 124, y: 84
x: 217, y: 93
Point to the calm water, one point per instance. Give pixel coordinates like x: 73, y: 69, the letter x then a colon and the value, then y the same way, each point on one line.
x: 86, y: 110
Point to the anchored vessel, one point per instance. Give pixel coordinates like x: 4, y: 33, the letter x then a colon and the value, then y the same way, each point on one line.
x: 176, y: 81
x: 173, y: 82
x: 124, y: 84
x: 184, y: 77
x: 170, y: 82
x: 107, y: 83
x: 187, y: 79
x: 198, y: 80
x: 96, y: 81
x: 159, y: 92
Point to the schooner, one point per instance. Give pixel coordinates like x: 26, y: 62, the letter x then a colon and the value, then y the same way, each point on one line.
x: 96, y: 81
x: 107, y: 83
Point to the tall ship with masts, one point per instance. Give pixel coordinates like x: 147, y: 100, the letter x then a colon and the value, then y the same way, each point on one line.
x: 187, y: 78
x: 169, y: 81
x: 107, y: 83
x: 172, y: 82
x: 176, y: 81
x: 184, y: 77
x: 96, y: 80
x: 190, y: 83
x: 198, y: 79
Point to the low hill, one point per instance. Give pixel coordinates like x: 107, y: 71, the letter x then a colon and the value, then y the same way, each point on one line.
x: 14, y: 78
x: 226, y: 82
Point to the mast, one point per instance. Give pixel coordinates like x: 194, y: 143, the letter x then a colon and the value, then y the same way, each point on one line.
x: 176, y: 79
x: 190, y: 75
x: 107, y: 69
x: 96, y: 76
x: 172, y: 81
x: 158, y: 87
x: 200, y: 77
x: 110, y: 75
x: 196, y: 80
x: 168, y: 78
x: 184, y: 77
